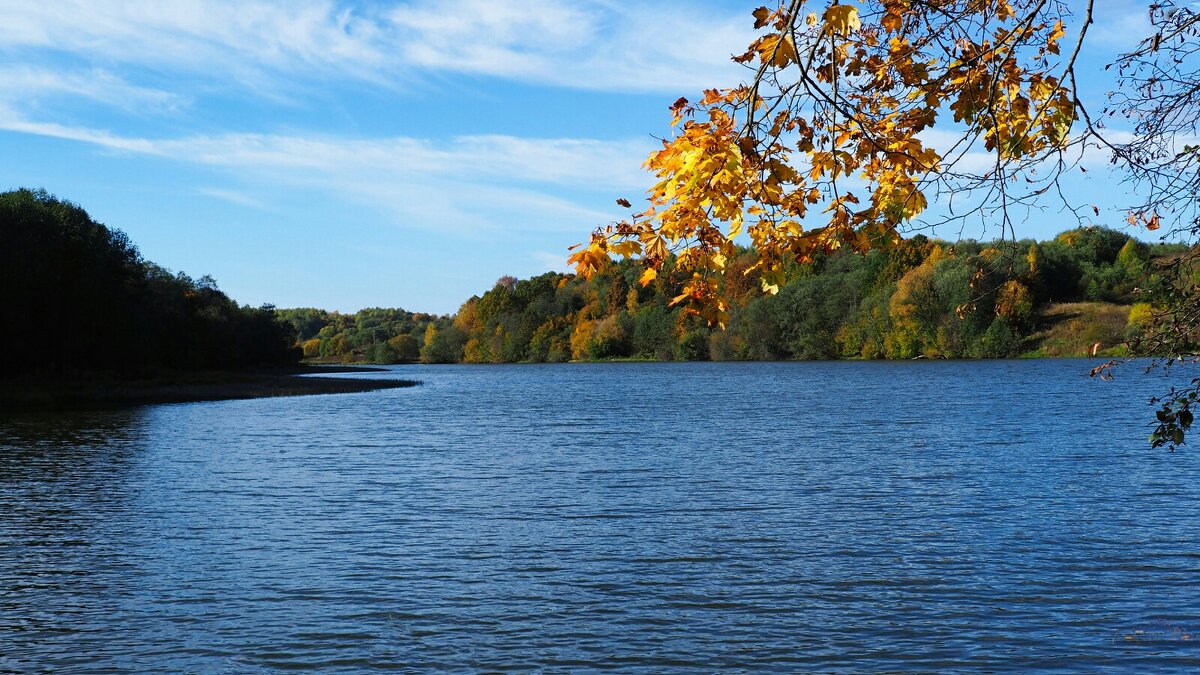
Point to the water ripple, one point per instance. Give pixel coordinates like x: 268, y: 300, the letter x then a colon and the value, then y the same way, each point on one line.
x: 699, y: 517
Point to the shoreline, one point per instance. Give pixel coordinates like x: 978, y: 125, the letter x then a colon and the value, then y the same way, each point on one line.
x: 94, y: 393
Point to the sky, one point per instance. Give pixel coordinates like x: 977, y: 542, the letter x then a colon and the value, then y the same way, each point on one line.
x: 321, y: 153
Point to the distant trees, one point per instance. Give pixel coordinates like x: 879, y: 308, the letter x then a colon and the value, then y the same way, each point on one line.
x: 921, y: 298
x: 372, y: 335
x: 443, y: 345
x: 85, y: 301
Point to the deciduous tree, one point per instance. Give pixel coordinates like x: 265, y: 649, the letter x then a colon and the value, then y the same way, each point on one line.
x: 826, y: 146
x: 855, y: 117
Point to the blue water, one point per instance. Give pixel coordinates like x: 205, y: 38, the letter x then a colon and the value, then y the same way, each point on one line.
x: 931, y: 516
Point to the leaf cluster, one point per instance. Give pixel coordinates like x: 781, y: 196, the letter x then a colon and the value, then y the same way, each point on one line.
x: 824, y: 147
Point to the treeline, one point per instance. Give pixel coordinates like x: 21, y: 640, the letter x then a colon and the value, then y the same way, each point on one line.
x: 373, y: 336
x: 80, y: 299
x: 923, y: 297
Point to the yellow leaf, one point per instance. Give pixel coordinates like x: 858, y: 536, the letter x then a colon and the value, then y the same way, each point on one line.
x: 842, y: 19
x: 1055, y: 35
x: 648, y: 277
x: 778, y: 50
x: 625, y: 248
x: 735, y: 224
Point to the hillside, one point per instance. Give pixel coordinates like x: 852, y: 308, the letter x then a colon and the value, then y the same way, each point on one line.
x: 922, y: 298
x: 86, y: 301
x: 1081, y: 329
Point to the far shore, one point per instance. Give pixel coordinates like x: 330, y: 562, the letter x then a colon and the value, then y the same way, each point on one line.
x: 88, y: 393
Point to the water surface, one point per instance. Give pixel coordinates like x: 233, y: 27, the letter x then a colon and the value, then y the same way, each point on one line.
x: 784, y: 516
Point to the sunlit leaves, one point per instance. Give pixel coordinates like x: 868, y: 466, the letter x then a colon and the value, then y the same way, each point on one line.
x: 778, y: 50
x: 842, y: 19
x: 821, y: 150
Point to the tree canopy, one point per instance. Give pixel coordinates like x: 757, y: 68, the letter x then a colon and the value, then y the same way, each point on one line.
x: 823, y: 147
x: 82, y: 300
x: 1072, y: 295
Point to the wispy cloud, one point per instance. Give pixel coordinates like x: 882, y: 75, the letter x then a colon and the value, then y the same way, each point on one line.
x: 1120, y: 25
x: 584, y: 45
x: 182, y: 60
x: 552, y: 261
x: 26, y: 83
x: 237, y: 40
x: 465, y: 183
x: 233, y: 197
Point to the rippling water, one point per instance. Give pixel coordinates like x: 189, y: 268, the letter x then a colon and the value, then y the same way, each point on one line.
x: 797, y: 516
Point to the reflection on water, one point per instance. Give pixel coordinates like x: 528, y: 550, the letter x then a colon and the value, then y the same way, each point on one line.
x: 827, y: 517
x: 62, y: 478
x: 74, y: 466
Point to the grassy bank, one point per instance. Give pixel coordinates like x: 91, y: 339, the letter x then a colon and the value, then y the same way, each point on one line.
x: 1075, y: 328
x: 91, y: 393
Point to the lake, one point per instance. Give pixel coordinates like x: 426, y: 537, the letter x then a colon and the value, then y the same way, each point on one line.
x: 850, y: 516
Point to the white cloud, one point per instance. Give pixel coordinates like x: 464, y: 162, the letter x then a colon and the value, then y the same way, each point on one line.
x: 147, y: 58
x: 1120, y: 24
x: 970, y: 156
x: 956, y: 146
x: 252, y: 43
x: 10, y: 120
x: 466, y: 183
x: 579, y: 45
x: 233, y: 197
x: 234, y: 39
x: 23, y: 83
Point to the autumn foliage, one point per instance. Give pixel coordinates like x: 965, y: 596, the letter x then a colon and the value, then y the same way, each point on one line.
x: 919, y: 298
x: 822, y: 149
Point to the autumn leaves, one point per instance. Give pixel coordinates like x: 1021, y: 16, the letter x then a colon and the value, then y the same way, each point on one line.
x: 821, y: 148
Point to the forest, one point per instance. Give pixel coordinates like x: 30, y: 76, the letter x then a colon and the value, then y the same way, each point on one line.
x: 1087, y: 291
x: 82, y: 300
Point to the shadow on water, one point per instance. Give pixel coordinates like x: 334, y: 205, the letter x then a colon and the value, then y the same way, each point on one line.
x: 61, y: 477
x: 87, y: 449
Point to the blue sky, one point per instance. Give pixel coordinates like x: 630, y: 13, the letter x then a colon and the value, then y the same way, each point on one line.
x: 355, y: 154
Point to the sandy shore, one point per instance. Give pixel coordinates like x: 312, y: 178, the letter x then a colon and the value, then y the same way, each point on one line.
x: 26, y: 394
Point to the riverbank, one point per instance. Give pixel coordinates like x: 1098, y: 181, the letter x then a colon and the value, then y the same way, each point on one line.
x: 93, y: 393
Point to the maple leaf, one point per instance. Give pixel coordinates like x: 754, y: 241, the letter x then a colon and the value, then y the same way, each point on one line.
x: 842, y: 19
x: 761, y: 16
